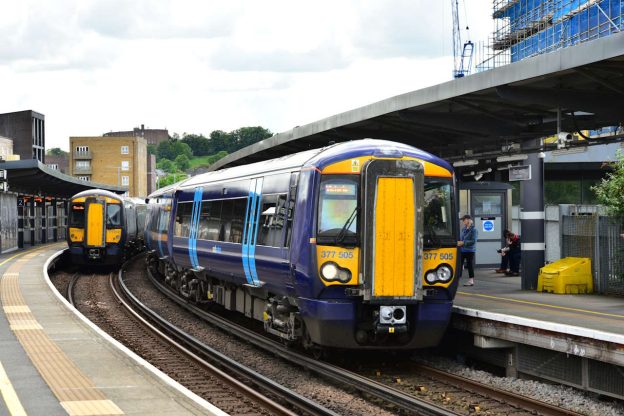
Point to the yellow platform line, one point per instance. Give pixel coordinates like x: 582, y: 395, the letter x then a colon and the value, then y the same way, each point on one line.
x: 77, y: 393
x: 545, y: 305
x: 9, y: 395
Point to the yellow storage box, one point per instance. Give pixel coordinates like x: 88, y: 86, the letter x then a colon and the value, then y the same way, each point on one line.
x: 568, y: 275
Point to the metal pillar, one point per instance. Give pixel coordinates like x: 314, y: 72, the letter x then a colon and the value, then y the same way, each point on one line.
x: 55, y: 220
x: 532, y: 220
x: 32, y: 218
x: 20, y: 221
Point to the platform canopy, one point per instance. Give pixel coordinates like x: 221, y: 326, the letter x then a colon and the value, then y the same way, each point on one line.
x: 486, y: 113
x: 34, y: 178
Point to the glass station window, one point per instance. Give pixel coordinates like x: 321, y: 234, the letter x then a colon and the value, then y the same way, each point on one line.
x: 487, y: 204
x: 337, y: 213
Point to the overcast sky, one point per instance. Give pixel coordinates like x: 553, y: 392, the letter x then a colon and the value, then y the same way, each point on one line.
x: 94, y: 66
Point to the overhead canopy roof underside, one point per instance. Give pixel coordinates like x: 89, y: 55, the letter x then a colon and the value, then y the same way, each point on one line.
x: 34, y: 178
x: 482, y: 112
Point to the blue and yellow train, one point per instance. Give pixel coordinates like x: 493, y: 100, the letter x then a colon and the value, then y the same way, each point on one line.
x: 104, y: 228
x: 350, y: 246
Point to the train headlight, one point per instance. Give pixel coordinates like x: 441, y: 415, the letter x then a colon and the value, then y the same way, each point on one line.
x: 329, y: 271
x: 431, y: 277
x: 332, y: 272
x: 444, y: 273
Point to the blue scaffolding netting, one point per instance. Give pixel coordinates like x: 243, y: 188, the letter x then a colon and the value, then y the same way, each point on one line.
x: 526, y: 28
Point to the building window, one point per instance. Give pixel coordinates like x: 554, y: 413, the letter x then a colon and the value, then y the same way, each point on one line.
x: 53, y: 166
x: 83, y: 164
x: 82, y: 149
x: 84, y: 178
x: 125, y: 150
x: 125, y: 180
x: 125, y: 165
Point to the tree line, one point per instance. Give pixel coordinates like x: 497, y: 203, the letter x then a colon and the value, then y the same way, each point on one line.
x: 176, y: 155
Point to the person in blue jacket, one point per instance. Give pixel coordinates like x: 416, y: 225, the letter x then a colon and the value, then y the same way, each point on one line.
x: 468, y: 248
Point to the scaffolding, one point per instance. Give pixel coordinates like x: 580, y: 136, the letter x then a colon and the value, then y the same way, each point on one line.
x: 525, y: 28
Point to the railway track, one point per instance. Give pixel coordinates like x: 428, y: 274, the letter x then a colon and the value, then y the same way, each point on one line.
x: 191, y: 368
x: 481, y: 393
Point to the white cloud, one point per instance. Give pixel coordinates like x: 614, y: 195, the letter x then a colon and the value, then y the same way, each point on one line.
x: 93, y: 66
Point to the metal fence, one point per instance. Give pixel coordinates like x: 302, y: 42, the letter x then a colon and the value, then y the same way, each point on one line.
x: 590, y: 234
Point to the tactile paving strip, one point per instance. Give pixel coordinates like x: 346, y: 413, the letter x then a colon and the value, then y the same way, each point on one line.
x: 76, y: 392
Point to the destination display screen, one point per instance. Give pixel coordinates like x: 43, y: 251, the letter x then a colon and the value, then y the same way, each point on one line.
x: 344, y: 189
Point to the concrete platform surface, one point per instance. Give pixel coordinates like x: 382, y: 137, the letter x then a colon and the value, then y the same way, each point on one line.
x: 53, y: 363
x: 598, y: 315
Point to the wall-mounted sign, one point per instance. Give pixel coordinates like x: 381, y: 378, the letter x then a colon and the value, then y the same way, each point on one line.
x: 520, y: 173
x: 488, y: 226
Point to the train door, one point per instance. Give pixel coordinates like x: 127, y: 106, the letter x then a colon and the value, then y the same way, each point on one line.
x: 267, y: 254
x: 95, y: 228
x: 393, y: 193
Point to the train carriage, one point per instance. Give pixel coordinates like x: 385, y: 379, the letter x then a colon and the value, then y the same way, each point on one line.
x: 104, y: 228
x: 349, y: 246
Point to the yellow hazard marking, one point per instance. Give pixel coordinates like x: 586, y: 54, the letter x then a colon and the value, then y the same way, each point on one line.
x: 91, y: 407
x: 12, y: 257
x: 9, y: 395
x: 546, y: 305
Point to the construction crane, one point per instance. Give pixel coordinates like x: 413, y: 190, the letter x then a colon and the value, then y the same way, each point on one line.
x: 462, y: 55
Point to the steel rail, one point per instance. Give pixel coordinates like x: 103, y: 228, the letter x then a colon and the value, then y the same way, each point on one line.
x: 70, y: 288
x: 508, y: 397
x: 200, y: 352
x: 338, y: 375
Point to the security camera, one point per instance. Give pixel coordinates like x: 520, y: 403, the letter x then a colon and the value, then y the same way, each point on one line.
x: 562, y: 139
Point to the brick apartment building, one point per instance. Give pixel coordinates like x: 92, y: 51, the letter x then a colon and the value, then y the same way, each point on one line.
x: 111, y: 160
x: 152, y: 136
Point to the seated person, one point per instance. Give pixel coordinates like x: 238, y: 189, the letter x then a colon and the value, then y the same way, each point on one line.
x: 510, y: 255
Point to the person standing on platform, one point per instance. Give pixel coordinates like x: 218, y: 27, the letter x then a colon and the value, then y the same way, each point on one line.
x: 468, y: 248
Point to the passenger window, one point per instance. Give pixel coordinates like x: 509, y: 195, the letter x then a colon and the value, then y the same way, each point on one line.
x: 238, y: 218
x: 183, y: 219
x: 209, y: 221
x: 272, y: 219
x: 226, y: 220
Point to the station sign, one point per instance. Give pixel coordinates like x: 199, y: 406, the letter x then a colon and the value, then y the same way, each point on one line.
x: 488, y: 226
x: 520, y: 173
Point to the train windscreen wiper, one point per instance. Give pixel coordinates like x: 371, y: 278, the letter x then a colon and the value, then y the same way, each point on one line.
x: 343, y: 231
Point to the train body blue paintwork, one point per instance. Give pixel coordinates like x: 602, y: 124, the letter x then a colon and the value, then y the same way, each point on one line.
x: 247, y: 238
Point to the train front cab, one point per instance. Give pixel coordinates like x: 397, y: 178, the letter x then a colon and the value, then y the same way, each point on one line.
x: 96, y: 230
x: 391, y: 283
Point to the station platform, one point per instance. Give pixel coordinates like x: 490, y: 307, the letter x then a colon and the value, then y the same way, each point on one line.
x: 566, y: 337
x: 52, y: 362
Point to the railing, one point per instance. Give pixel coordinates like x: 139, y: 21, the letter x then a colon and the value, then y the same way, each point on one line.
x: 82, y: 155
x: 82, y: 170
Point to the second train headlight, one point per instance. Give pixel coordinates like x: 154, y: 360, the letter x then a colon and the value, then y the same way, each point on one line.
x: 331, y: 272
x: 444, y: 273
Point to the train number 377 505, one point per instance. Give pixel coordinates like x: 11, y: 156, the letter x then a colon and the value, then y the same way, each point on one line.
x: 330, y: 254
x: 438, y: 256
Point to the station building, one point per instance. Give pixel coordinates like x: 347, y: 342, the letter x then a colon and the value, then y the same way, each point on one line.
x: 118, y: 161
x: 27, y: 131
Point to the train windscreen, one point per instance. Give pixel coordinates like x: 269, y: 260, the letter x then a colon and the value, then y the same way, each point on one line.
x: 113, y: 215
x: 77, y: 215
x: 338, y: 216
x: 438, y: 214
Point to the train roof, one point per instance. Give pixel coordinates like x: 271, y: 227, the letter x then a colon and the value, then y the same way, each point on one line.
x: 318, y: 158
x: 98, y: 192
